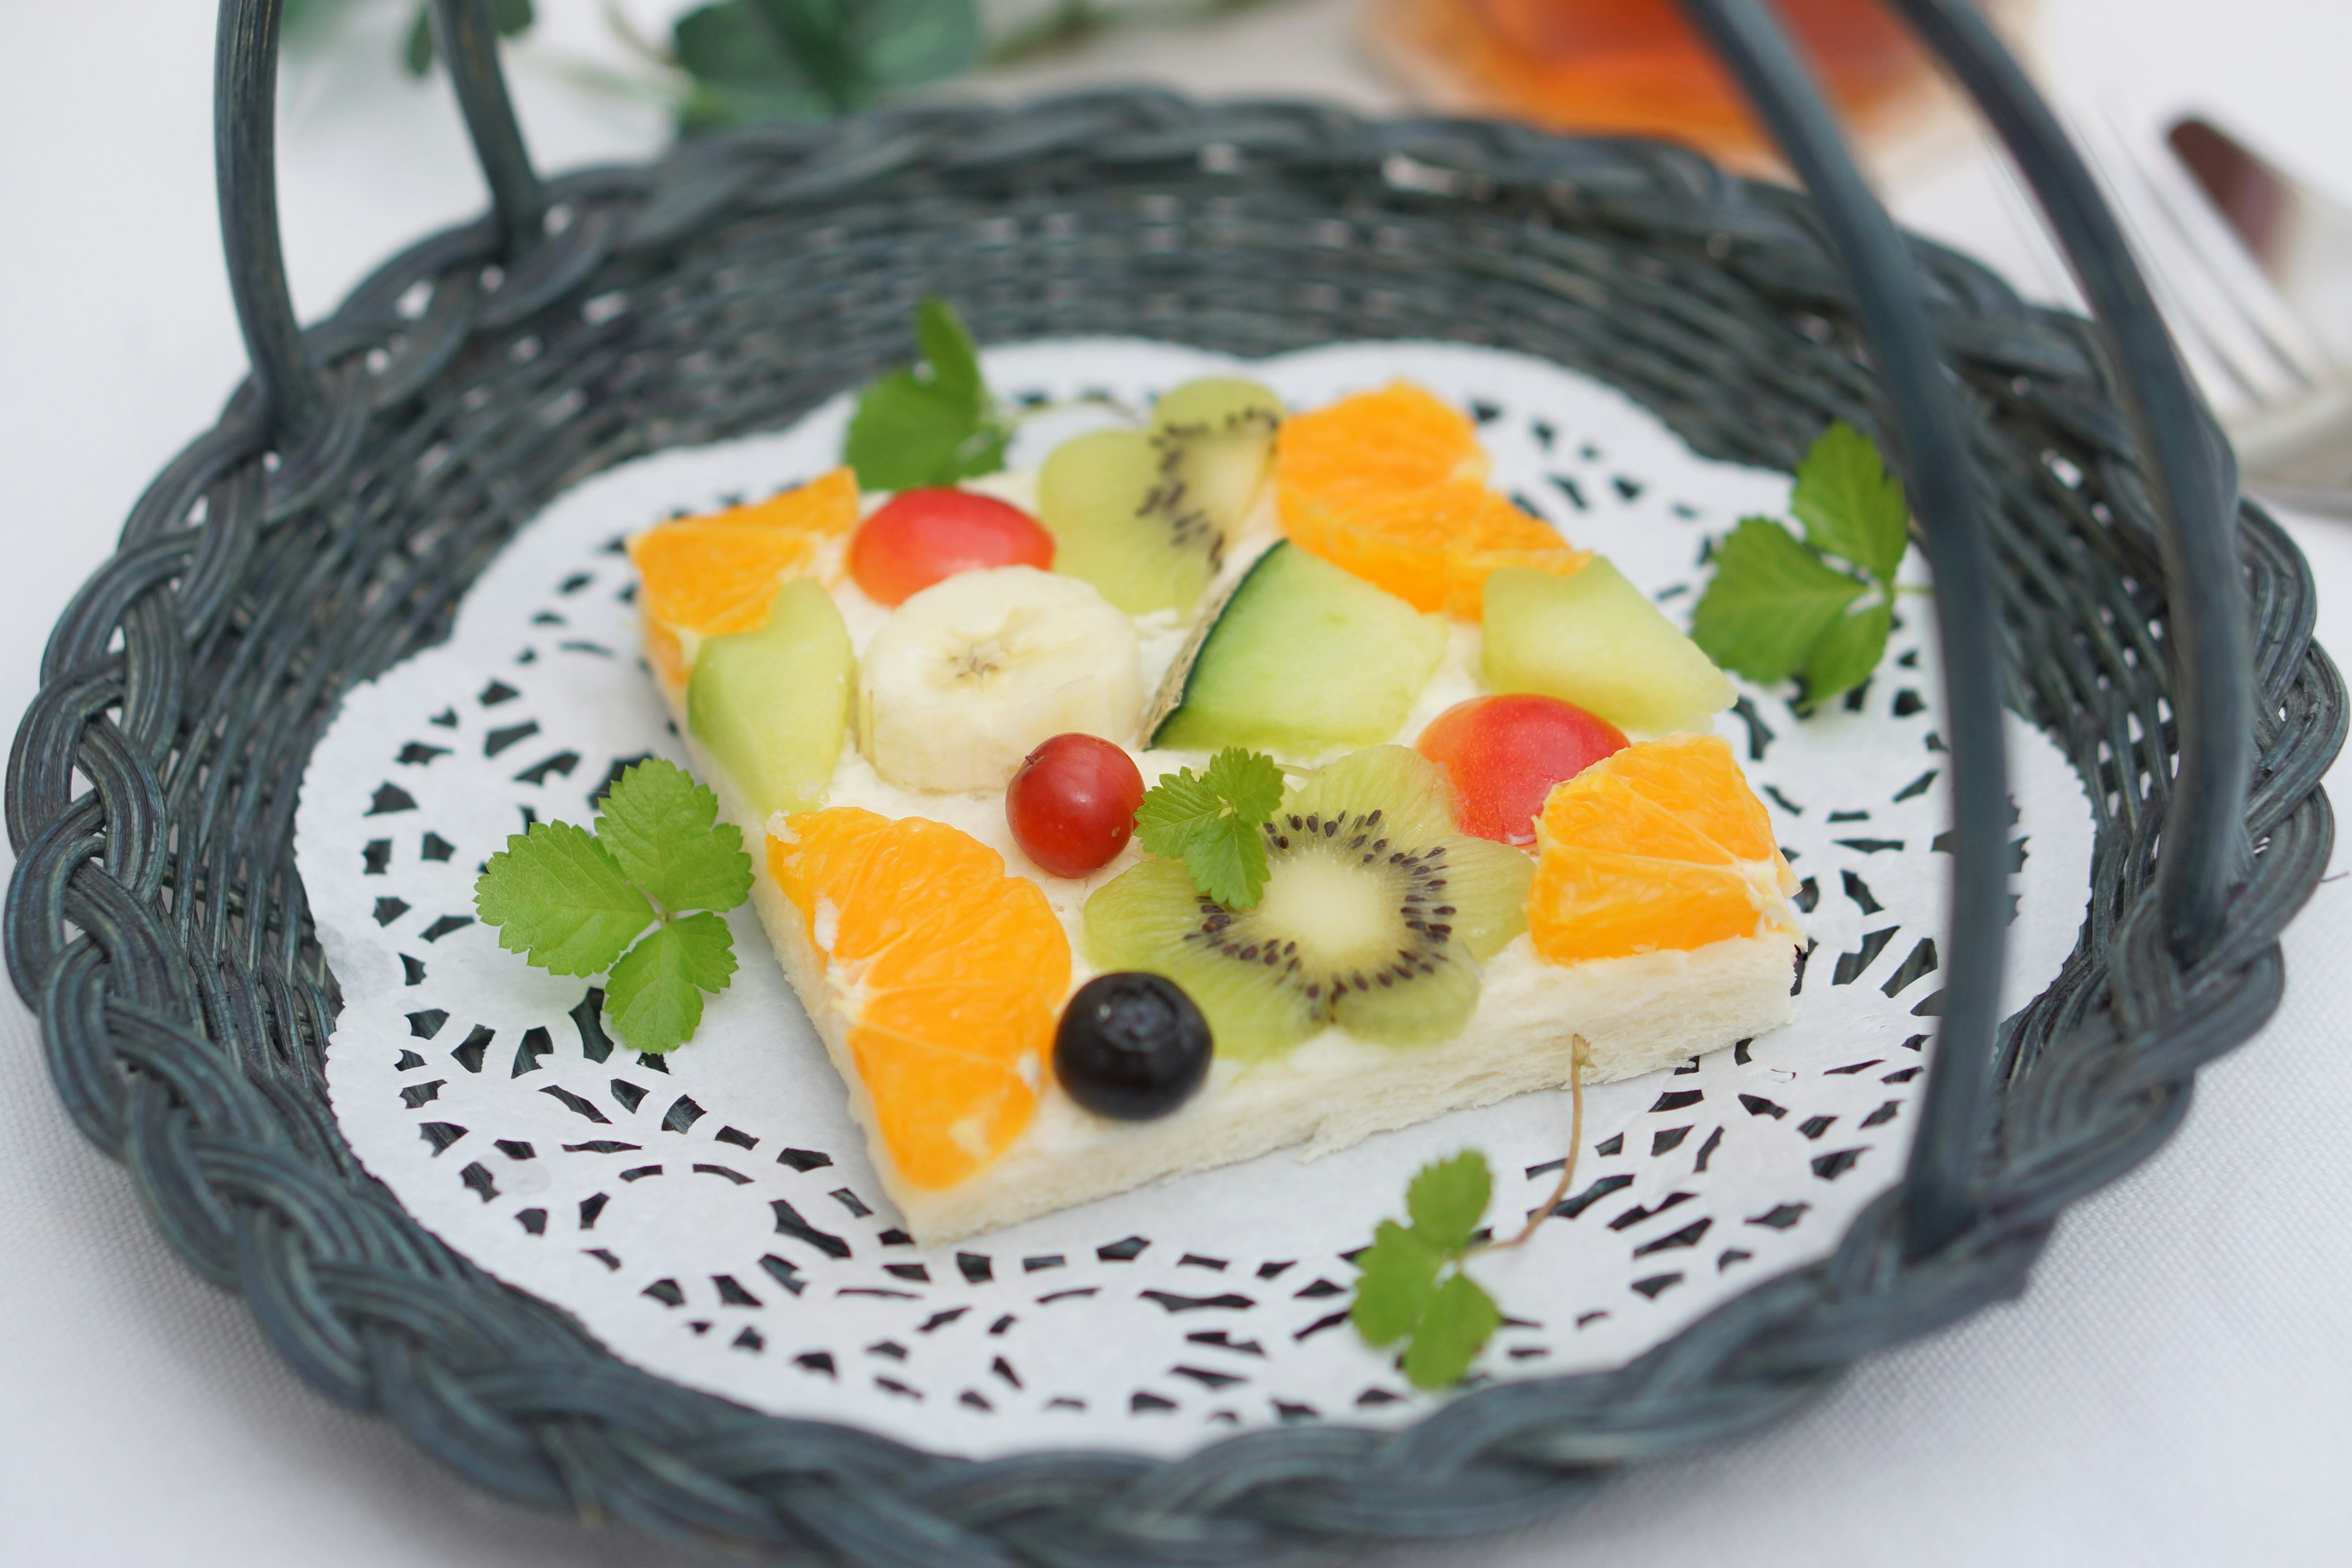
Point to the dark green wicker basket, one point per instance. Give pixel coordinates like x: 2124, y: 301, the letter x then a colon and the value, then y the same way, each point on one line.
x: 2095, y: 571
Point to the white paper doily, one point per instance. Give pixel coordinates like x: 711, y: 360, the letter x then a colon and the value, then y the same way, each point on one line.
x: 711, y: 1217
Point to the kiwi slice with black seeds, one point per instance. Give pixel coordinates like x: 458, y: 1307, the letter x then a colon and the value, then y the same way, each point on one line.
x: 1375, y: 917
x: 1146, y: 515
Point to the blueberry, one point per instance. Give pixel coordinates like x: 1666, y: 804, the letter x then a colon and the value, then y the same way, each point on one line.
x: 1131, y: 1046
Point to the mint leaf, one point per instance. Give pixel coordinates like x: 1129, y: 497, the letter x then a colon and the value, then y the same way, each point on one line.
x: 948, y: 347
x: 1211, y: 822
x: 933, y: 424
x: 1846, y: 653
x: 663, y: 829
x: 1771, y: 601
x: 654, y: 997
x: 1851, y: 506
x: 1250, y: 782
x: 1398, y: 1275
x: 558, y: 897
x: 1447, y: 1197
x: 1460, y: 1318
x: 1227, y: 860
x: 1171, y: 810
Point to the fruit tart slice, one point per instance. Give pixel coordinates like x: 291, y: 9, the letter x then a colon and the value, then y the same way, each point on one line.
x: 1227, y: 785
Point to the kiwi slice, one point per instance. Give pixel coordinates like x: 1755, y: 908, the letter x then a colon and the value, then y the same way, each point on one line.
x: 1145, y: 515
x: 1375, y: 917
x: 1215, y: 438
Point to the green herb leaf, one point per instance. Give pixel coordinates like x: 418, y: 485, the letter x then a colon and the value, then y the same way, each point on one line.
x: 1447, y: 1198
x: 654, y: 997
x: 1771, y: 601
x: 663, y: 829
x: 1461, y: 1318
x: 932, y: 425
x: 558, y: 897
x: 1851, y: 506
x: 1211, y: 822
x: 1398, y: 1275
x: 1847, y: 652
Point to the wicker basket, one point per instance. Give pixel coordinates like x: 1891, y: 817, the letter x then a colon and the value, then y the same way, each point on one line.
x: 328, y: 526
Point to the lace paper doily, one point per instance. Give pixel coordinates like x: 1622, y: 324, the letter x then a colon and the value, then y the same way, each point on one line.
x: 711, y: 1216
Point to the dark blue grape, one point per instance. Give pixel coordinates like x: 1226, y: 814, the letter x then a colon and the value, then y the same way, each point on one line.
x: 1132, y: 1046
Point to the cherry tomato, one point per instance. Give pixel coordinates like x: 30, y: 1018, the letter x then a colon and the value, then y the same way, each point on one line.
x: 1503, y: 755
x: 922, y: 536
x: 1072, y: 806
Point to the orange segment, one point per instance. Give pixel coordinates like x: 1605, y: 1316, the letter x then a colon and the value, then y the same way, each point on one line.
x: 826, y: 507
x: 715, y: 575
x: 952, y: 973
x: 1591, y: 903
x: 1502, y: 535
x: 1660, y: 845
x: 667, y: 653
x: 1695, y: 777
x: 1377, y: 444
x: 1391, y: 486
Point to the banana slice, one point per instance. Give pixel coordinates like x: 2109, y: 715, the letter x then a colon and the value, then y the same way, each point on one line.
x: 967, y: 675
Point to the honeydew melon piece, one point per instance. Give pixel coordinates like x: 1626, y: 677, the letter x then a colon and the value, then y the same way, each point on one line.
x: 772, y: 705
x: 1594, y: 639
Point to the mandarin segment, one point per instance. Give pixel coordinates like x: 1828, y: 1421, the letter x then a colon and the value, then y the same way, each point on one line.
x: 713, y: 578
x: 1594, y: 903
x: 950, y: 973
x: 826, y: 507
x: 1662, y: 845
x: 1696, y: 777
x: 717, y: 575
x: 1379, y: 443
x: 1391, y: 486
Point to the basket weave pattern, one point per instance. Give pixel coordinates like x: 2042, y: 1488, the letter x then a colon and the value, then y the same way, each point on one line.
x: 156, y: 925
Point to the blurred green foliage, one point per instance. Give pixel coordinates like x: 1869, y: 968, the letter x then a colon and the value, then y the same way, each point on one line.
x: 802, y: 60
x: 729, y: 62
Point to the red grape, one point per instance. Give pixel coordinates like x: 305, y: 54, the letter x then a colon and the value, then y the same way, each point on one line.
x: 922, y: 536
x: 1504, y: 754
x: 1072, y: 806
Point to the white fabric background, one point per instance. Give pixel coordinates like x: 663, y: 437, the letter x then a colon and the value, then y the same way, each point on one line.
x: 2175, y: 1389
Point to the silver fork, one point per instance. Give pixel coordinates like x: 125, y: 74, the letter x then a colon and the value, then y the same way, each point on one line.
x: 2239, y: 286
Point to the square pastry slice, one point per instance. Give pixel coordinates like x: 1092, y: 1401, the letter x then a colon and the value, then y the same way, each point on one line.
x: 1372, y: 887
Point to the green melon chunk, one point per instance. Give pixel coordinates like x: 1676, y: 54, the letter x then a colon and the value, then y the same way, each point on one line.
x: 1305, y: 658
x: 771, y: 706
x: 1594, y: 639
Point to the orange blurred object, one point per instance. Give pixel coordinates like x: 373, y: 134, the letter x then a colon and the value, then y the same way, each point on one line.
x: 1635, y: 66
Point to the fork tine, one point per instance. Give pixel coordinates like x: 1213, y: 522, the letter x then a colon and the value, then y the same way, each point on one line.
x: 2239, y: 361
x: 2267, y: 316
x: 2227, y: 382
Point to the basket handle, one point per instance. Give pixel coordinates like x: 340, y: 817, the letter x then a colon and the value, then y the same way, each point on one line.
x: 2194, y: 481
x: 245, y: 167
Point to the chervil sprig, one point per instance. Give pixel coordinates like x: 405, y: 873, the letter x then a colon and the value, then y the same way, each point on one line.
x: 1778, y: 607
x: 1210, y: 821
x: 929, y: 424
x: 573, y: 902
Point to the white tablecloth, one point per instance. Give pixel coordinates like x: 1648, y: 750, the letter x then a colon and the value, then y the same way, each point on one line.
x: 2175, y: 1389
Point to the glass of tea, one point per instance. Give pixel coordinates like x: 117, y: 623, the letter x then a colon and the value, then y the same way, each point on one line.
x: 1636, y: 68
